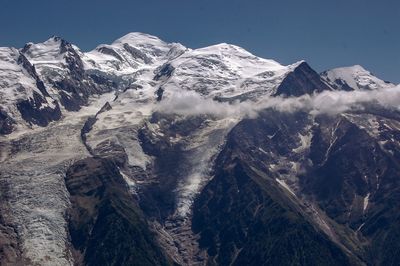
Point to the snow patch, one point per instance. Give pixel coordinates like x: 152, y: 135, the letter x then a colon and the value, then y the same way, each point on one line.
x: 305, y: 142
x: 283, y: 184
x: 130, y: 182
x: 365, y: 202
x: 262, y: 150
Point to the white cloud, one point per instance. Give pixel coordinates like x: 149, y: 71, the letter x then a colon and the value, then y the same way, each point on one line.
x: 327, y: 102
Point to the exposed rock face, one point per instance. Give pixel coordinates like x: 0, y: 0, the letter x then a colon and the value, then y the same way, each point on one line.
x: 110, y: 51
x: 33, y: 111
x: 356, y: 182
x: 41, y: 108
x: 6, y: 123
x: 10, y: 251
x: 164, y: 72
x: 143, y: 152
x: 244, y: 220
x: 256, y: 215
x: 32, y: 72
x: 341, y: 164
x: 106, y: 225
x: 136, y: 53
x: 302, y: 80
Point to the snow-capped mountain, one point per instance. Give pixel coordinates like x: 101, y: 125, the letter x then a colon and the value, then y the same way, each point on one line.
x: 143, y: 152
x: 354, y: 78
x: 130, y: 53
x: 60, y: 73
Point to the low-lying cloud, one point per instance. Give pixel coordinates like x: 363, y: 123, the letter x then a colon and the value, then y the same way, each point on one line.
x: 327, y: 102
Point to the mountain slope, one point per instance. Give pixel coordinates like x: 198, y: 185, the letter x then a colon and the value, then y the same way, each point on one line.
x: 150, y: 153
x: 105, y: 226
x: 354, y: 78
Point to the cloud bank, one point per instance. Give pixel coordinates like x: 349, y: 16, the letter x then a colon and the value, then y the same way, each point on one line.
x: 327, y: 102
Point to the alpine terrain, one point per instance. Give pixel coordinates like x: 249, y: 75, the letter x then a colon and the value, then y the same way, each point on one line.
x: 143, y: 152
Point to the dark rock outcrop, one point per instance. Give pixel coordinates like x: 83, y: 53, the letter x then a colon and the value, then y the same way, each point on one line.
x: 302, y: 80
x: 243, y: 220
x: 34, y: 112
x: 109, y: 51
x: 75, y: 87
x: 355, y: 179
x: 6, y: 123
x: 137, y: 54
x: 159, y: 93
x: 22, y: 60
x: 164, y: 72
x: 73, y: 60
x: 242, y: 215
x: 105, y: 224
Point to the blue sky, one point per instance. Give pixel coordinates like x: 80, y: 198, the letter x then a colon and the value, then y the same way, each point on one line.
x: 325, y: 33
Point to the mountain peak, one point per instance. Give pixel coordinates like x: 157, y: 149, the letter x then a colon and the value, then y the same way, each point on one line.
x: 224, y: 48
x: 351, y: 69
x: 55, y: 38
x: 354, y: 77
x: 52, y: 46
x: 293, y: 84
x: 139, y: 38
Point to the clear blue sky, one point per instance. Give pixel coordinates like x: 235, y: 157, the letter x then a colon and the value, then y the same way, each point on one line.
x: 326, y: 33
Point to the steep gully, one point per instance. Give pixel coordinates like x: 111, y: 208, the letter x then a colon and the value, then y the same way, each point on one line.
x: 174, y: 233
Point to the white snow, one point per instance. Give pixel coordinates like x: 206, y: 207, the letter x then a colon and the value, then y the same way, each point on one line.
x: 359, y: 228
x: 285, y: 186
x: 35, y: 175
x: 120, y: 126
x: 357, y: 78
x: 49, y: 61
x: 305, y: 141
x: 15, y: 83
x: 204, y: 145
x: 130, y: 182
x: 151, y: 52
x: 47, y: 52
x: 365, y: 202
x: 227, y: 72
x: 221, y: 70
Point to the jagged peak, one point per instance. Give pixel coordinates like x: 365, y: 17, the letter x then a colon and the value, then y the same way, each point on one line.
x: 293, y: 85
x: 301, y: 63
x: 53, y: 45
x: 55, y: 38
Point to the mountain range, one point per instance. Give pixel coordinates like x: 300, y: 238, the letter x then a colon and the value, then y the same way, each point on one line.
x: 143, y: 152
